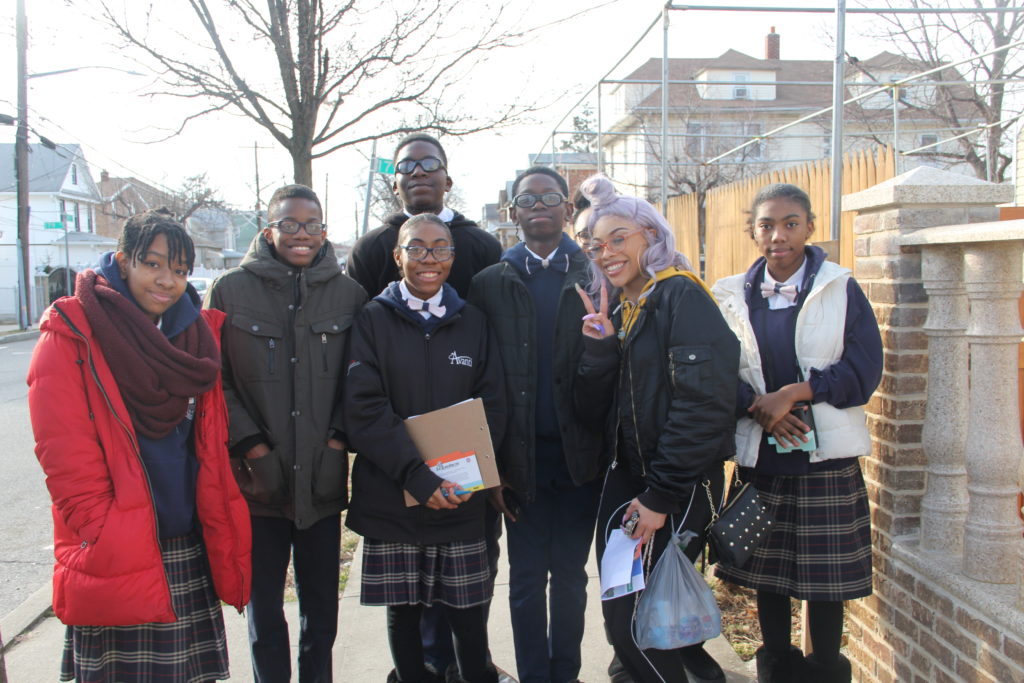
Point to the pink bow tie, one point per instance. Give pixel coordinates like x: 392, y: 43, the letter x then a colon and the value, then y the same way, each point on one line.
x: 419, y: 305
x: 769, y: 289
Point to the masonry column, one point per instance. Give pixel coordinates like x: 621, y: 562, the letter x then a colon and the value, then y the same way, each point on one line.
x: 944, y: 506
x: 992, y: 544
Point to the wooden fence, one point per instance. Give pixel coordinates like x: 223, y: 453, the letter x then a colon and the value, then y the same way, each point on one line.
x: 729, y: 247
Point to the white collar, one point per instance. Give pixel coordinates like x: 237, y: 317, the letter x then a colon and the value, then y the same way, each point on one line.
x: 540, y: 258
x: 446, y: 214
x: 777, y: 301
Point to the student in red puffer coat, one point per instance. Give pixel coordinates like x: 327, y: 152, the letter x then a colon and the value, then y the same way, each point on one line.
x: 150, y: 528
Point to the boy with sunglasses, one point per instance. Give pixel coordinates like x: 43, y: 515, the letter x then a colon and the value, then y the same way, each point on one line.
x: 421, y: 182
x: 289, y: 309
x: 549, y: 459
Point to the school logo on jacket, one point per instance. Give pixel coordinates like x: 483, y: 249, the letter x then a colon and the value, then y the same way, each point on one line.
x: 455, y: 359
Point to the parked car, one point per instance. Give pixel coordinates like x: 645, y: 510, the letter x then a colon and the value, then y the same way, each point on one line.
x: 201, y: 284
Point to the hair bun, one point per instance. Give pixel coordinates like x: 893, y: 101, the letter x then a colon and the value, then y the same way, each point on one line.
x: 599, y: 190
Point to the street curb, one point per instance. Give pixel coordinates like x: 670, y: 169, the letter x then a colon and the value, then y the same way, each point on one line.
x: 26, y: 615
x: 18, y: 336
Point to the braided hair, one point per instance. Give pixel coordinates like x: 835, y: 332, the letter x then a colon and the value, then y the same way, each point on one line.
x: 141, y: 229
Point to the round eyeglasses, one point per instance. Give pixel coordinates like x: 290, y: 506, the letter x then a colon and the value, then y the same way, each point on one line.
x: 418, y: 253
x: 528, y: 200
x: 593, y: 248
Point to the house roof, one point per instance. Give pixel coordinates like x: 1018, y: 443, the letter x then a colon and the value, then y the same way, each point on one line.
x: 793, y: 97
x: 75, y: 237
x: 47, y: 168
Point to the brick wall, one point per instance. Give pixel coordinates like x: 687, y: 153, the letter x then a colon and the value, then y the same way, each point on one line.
x: 916, y: 626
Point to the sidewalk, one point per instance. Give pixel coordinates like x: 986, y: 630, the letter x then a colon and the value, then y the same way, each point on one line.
x: 361, y: 653
x: 12, y: 333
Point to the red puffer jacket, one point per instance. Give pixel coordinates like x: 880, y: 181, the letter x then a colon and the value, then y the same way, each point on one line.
x: 108, y: 570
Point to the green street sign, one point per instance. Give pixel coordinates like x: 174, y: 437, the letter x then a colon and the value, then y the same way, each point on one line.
x: 53, y: 225
x: 385, y: 166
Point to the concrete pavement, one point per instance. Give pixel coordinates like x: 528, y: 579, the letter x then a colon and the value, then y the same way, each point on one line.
x: 360, y: 654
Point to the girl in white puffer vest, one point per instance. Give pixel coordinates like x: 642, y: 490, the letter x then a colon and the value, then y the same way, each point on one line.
x: 811, y: 357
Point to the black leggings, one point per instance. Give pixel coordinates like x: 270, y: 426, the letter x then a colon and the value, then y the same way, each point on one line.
x: 469, y: 632
x: 647, y: 665
x: 825, y: 624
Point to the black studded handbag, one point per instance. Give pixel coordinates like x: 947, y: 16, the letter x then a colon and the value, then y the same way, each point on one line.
x: 742, y: 525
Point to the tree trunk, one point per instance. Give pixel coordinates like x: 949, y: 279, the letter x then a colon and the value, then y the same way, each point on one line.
x: 302, y: 167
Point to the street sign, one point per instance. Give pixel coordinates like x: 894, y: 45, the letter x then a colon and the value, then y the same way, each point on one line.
x: 385, y: 166
x: 53, y: 225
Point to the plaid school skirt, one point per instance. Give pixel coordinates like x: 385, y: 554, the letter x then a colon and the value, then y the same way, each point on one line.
x: 820, y: 543
x: 454, y: 574
x: 191, y: 650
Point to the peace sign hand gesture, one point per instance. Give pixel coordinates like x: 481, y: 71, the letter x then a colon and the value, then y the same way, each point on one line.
x: 596, y: 323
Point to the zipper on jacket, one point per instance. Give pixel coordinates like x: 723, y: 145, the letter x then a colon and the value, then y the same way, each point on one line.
x: 271, y: 345
x: 131, y: 438
x: 636, y: 427
x: 323, y: 348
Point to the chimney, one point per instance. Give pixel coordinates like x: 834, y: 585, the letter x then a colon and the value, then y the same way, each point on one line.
x: 104, y: 176
x: 771, y: 45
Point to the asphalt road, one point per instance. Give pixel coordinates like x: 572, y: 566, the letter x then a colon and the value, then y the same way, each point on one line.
x: 26, y: 532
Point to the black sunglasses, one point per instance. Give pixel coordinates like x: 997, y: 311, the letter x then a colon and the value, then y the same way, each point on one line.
x: 528, y: 200
x: 428, y: 164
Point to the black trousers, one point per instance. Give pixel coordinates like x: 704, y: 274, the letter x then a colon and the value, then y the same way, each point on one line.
x: 620, y: 488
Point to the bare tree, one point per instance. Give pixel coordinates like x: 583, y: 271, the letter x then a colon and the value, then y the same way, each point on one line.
x: 195, y: 194
x: 335, y: 77
x: 981, y: 97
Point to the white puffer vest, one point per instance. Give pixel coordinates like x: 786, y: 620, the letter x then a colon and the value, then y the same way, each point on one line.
x: 820, y: 329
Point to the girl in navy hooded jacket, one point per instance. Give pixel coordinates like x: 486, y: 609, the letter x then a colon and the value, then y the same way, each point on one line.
x: 418, y: 347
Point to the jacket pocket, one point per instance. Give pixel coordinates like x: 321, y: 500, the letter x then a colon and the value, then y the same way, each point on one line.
x: 260, y: 479
x: 328, y: 342
x: 330, y: 478
x: 689, y: 367
x: 258, y: 358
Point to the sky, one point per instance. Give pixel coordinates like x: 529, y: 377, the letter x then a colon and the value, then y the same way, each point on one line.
x: 116, y: 120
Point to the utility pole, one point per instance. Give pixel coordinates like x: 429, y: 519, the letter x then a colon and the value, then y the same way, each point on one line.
x: 21, y: 173
x: 369, y: 187
x: 256, y: 161
x: 327, y: 181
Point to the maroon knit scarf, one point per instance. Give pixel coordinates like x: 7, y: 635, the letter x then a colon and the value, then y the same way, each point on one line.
x: 155, y: 375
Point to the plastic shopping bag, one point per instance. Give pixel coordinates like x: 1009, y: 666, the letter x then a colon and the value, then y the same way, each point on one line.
x: 677, y: 608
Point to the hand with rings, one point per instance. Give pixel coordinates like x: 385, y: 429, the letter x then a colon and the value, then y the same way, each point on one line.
x: 596, y: 323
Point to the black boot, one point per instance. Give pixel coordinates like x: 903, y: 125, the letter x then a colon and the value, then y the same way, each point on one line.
x: 700, y: 664
x: 836, y: 672
x: 617, y: 673
x: 772, y: 668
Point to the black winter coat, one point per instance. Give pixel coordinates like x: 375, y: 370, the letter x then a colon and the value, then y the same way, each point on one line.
x: 397, y: 370
x: 372, y: 263
x: 668, y: 392
x: 499, y: 291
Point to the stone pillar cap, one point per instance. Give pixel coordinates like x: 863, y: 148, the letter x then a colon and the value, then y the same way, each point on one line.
x: 997, y: 231
x: 925, y: 185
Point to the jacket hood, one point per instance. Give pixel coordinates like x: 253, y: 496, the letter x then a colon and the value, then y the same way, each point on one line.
x: 175, y: 319
x: 392, y: 297
x: 516, y: 254
x: 261, y: 260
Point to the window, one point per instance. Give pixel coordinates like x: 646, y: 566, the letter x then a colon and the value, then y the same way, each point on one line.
x: 74, y: 174
x: 78, y: 217
x: 740, y: 91
x: 88, y: 215
x: 927, y: 139
x: 755, y: 150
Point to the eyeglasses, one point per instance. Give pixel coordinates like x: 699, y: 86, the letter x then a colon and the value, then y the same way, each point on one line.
x: 290, y: 227
x: 528, y: 200
x: 428, y: 164
x: 418, y: 253
x: 593, y: 248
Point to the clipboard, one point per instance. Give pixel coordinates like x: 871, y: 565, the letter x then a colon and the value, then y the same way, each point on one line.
x: 459, y: 428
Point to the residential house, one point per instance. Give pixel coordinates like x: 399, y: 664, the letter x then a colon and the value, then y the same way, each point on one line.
x: 125, y: 197
x: 736, y: 98
x: 63, y: 205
